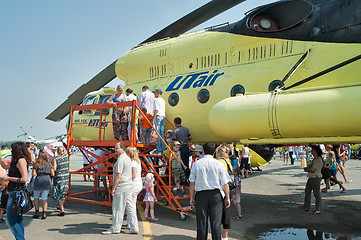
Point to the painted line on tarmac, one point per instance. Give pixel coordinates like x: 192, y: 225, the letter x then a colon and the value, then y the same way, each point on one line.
x: 146, y: 225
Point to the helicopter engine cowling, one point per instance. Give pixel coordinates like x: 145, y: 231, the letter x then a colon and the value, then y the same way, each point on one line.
x: 309, y: 113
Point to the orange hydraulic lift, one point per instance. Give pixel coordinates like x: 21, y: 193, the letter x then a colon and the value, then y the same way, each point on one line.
x: 104, y: 164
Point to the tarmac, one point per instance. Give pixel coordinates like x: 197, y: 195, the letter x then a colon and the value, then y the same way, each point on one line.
x: 269, y: 204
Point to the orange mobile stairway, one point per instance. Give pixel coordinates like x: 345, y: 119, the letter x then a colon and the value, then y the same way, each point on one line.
x: 103, y: 165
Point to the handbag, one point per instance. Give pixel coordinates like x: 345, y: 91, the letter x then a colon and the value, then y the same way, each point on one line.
x: 232, y: 184
x: 22, y: 202
x: 325, y: 173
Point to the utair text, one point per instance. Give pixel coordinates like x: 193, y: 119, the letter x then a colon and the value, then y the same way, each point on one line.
x: 194, y: 80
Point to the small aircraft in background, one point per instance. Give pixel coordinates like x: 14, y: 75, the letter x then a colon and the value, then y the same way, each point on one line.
x: 287, y: 73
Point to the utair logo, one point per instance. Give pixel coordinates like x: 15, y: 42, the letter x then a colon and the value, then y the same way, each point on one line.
x: 195, y: 80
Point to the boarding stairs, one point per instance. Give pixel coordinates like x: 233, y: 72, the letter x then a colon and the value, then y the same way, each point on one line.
x: 103, y: 165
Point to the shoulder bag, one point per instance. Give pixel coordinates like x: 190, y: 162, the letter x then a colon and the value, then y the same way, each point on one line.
x: 232, y: 184
x: 22, y: 202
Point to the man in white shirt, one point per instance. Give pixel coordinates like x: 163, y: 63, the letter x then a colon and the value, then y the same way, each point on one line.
x: 159, y: 119
x: 209, y: 178
x: 146, y: 99
x: 122, y: 188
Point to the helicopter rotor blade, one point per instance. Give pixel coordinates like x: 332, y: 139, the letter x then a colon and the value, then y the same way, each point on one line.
x: 101, y: 79
x: 191, y: 20
x: 195, y: 18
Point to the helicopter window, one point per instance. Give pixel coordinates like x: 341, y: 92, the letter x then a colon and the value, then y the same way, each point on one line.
x: 219, y: 57
x: 103, y: 99
x: 173, y: 99
x: 225, y: 58
x: 203, y: 96
x: 190, y: 65
x: 87, y: 101
x: 274, y: 84
x: 237, y: 89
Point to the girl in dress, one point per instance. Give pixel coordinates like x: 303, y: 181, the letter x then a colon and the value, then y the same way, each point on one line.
x: 149, y: 197
x: 42, y: 184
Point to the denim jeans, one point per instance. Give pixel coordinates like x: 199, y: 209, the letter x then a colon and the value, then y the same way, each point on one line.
x: 16, y: 224
x: 159, y: 126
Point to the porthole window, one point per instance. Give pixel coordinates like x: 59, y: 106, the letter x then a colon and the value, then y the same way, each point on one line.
x: 274, y: 84
x: 173, y: 99
x: 203, y: 96
x: 237, y: 89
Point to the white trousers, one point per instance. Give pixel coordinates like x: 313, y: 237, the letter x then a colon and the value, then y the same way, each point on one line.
x: 121, y: 197
x: 131, y: 207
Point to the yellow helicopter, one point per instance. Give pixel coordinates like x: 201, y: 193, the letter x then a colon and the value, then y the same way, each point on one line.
x: 288, y: 72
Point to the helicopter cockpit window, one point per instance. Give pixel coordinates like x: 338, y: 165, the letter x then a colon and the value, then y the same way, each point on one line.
x: 87, y: 101
x: 173, y: 99
x: 237, y: 89
x: 203, y: 96
x: 103, y: 99
x: 279, y: 16
x: 274, y: 84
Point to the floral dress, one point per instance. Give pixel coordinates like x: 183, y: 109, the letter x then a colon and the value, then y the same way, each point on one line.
x: 119, y: 118
x: 61, y: 178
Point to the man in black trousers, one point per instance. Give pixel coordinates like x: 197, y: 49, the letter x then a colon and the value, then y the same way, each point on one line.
x: 209, y: 179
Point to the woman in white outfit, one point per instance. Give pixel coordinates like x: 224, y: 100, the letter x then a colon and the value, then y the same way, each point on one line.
x: 244, y: 160
x: 132, y: 219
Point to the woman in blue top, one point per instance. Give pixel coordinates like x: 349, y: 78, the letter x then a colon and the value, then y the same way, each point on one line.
x: 18, y: 174
x: 119, y: 128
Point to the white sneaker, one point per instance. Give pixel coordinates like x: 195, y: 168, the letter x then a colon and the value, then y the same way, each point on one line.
x: 108, y: 232
x: 224, y: 238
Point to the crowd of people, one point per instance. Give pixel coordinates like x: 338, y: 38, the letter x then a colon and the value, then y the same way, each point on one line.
x: 153, y: 107
x: 39, y: 171
x: 212, y: 173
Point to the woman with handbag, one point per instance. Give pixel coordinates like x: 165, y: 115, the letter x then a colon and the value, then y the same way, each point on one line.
x: 314, y: 180
x: 42, y: 184
x: 18, y: 175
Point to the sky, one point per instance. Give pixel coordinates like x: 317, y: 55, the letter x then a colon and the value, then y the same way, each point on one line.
x: 50, y: 48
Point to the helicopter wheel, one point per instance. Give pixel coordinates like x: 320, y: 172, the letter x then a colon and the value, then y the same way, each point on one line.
x: 165, y: 202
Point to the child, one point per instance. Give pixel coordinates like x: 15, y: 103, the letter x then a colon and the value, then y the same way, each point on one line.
x: 236, y: 198
x: 177, y: 168
x: 149, y: 197
x: 146, y: 127
x: 42, y: 184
